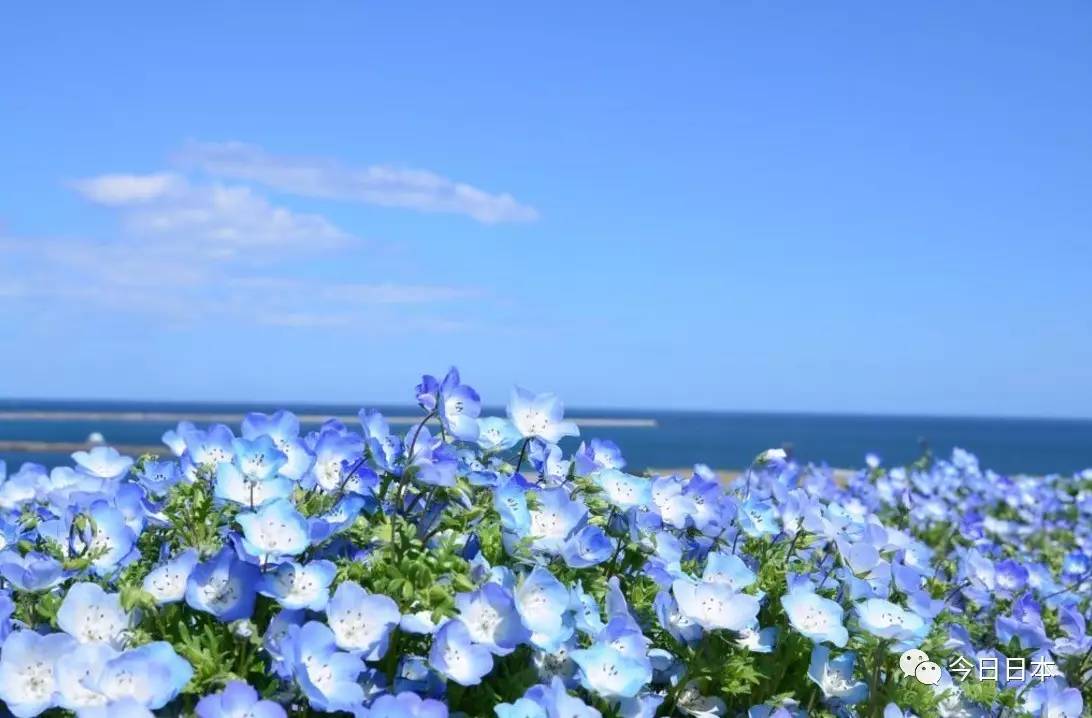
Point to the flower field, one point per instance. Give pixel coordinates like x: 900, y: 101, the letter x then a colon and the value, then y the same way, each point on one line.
x: 471, y: 567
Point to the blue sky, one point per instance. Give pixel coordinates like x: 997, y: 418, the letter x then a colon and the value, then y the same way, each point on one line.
x: 847, y: 207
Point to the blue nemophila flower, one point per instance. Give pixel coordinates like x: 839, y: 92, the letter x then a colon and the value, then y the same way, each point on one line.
x: 682, y: 628
x: 554, y: 519
x: 33, y: 572
x: 834, y: 676
x: 205, y: 448
x: 609, y: 672
x: 91, y: 615
x: 758, y: 640
x: 587, y: 547
x: 539, y: 416
x: 385, y: 447
x: 433, y: 462
x: 166, y: 583
x: 556, y: 700
x: 759, y: 518
x: 294, y: 585
x: 543, y: 602
x: 1053, y: 699
x: 28, y: 684
x: 510, y: 502
x: 258, y: 459
x: 327, y: 676
x: 625, y: 491
x: 818, y: 618
x: 78, y: 674
x: 233, y: 485
x: 159, y: 476
x: 490, y: 617
x: 457, y: 404
x: 1076, y: 640
x: 223, y: 586
x: 497, y: 434
x: 336, y: 454
x: 283, y: 428
x: 406, y: 705
x: 237, y: 700
x: 521, y: 708
x: 110, y: 540
x: 728, y: 569
x: 598, y: 454
x: 455, y: 655
x: 152, y: 675
x: 886, y: 620
x: 715, y: 606
x: 103, y: 461
x: 275, y: 530
x: 362, y: 622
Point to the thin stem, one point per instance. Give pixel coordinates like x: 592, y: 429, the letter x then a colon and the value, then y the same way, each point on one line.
x: 522, y: 453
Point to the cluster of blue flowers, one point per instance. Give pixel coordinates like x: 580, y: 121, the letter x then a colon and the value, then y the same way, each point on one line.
x: 471, y: 568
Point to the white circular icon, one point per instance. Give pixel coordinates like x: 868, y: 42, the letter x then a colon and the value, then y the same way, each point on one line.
x: 928, y: 673
x: 910, y: 660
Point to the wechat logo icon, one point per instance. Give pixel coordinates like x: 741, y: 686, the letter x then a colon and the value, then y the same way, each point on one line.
x: 915, y: 663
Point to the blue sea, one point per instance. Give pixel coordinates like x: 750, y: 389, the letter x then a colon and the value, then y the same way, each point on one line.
x: 672, y: 439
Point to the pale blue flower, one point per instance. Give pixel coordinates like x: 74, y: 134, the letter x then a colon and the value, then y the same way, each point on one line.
x: 406, y: 705
x: 1053, y: 699
x: 490, y: 617
x: 335, y: 456
x: 728, y: 569
x: 609, y: 672
x: 455, y: 655
x: 327, y: 676
x: 589, y: 546
x: 151, y: 674
x: 558, y: 702
x: 539, y: 416
x: 32, y: 572
x: 166, y: 583
x: 103, y: 461
x: 497, y: 434
x: 360, y: 621
x: 555, y: 518
x: 886, y: 620
x: 625, y: 491
x: 284, y: 429
x: 91, y: 615
x: 457, y: 404
x: 275, y: 530
x: 818, y: 618
x: 543, y: 602
x: 110, y: 540
x: 232, y: 485
x: 715, y: 606
x: 79, y: 672
x: 223, y: 586
x: 28, y: 682
x: 834, y: 676
x: 237, y: 700
x: 598, y: 454
x: 295, y: 585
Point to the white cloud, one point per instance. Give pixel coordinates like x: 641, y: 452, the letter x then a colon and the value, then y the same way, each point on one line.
x: 381, y: 185
x: 216, y: 220
x: 172, y: 285
x: 118, y: 189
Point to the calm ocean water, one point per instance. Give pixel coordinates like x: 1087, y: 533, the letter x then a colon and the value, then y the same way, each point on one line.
x: 679, y: 439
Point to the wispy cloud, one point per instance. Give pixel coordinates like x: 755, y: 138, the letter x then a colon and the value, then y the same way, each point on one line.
x: 168, y: 284
x: 382, y: 185
x: 214, y: 219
